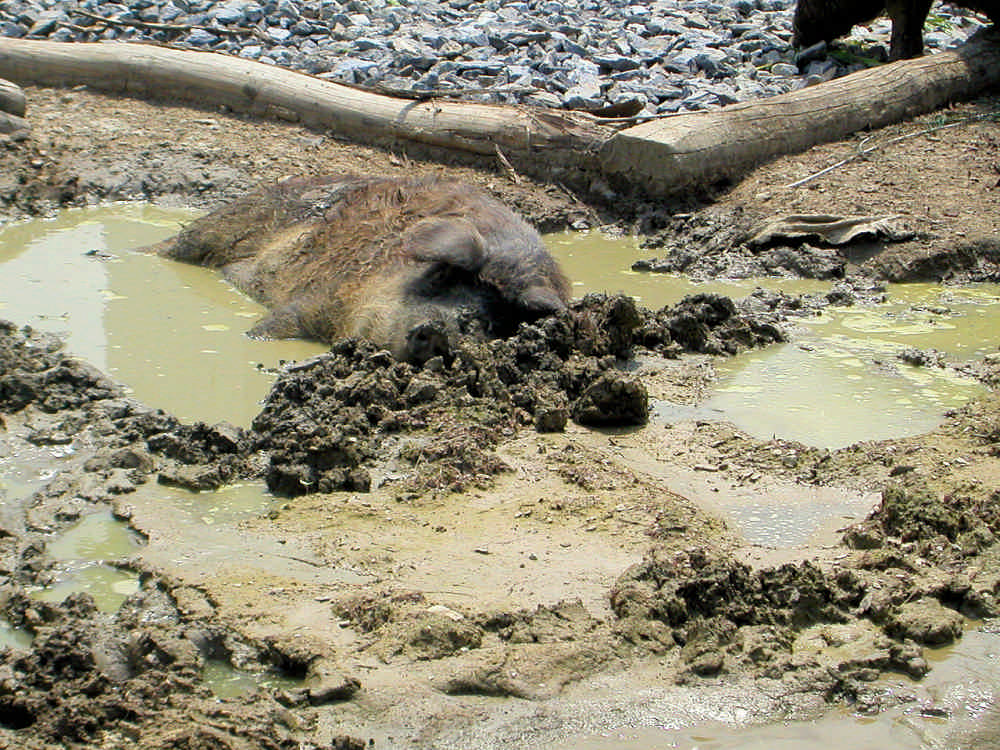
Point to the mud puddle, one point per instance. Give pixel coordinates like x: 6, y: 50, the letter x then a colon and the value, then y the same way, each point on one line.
x: 843, y: 367
x: 173, y: 332
x: 169, y: 331
x: 597, y: 262
x: 207, y: 540
x: 12, y: 637
x: 228, y: 682
x: 839, y: 381
x: 85, y: 554
x: 24, y: 468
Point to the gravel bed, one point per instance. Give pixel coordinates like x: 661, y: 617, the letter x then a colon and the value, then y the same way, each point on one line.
x: 651, y: 58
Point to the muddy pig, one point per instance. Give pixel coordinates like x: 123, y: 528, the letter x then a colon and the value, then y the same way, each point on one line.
x: 824, y: 20
x: 407, y: 264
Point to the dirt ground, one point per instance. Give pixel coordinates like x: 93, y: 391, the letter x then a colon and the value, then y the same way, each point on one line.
x: 484, y: 558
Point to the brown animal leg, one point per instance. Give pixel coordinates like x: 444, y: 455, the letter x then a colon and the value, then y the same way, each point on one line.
x: 908, y: 18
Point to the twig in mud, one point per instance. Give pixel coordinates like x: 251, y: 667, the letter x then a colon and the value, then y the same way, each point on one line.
x: 512, y: 174
x: 862, y: 151
x: 446, y: 593
x: 302, y: 560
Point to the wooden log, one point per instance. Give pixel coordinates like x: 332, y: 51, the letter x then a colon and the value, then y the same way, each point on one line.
x: 660, y: 157
x: 695, y: 150
x: 12, y: 99
x: 522, y: 134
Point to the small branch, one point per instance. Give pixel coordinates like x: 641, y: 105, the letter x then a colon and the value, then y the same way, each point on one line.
x: 512, y: 174
x: 153, y: 26
x: 422, y: 96
x: 863, y: 152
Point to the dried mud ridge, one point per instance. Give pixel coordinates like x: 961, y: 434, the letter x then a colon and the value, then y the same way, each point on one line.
x: 354, y: 417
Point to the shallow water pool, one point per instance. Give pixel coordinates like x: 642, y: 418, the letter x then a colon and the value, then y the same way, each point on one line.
x: 172, y: 332
x: 839, y: 381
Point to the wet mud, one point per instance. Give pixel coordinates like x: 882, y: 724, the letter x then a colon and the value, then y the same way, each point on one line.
x: 356, y: 419
x: 466, y: 543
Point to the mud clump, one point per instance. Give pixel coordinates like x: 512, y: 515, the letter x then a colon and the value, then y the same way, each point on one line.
x: 726, y: 617
x: 127, y: 678
x: 611, y: 400
x: 694, y: 585
x: 328, y: 421
x: 926, y: 621
x: 35, y: 370
x: 939, y: 525
x: 923, y: 560
x: 356, y: 417
x: 708, y: 324
x: 715, y: 243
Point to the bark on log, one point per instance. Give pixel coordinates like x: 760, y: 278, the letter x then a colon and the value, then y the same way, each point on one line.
x: 695, y: 150
x: 523, y: 134
x: 661, y: 157
x: 11, y: 98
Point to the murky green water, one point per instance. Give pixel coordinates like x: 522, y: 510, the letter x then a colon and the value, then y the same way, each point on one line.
x: 107, y: 585
x: 228, y: 682
x: 839, y: 381
x: 98, y: 536
x: 596, y: 262
x: 23, y: 471
x: 227, y: 505
x: 84, y: 553
x: 15, y: 638
x: 173, y: 334
x: 170, y: 331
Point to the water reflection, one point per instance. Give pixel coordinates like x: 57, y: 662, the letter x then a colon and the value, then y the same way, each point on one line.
x: 83, y: 552
x: 171, y: 332
x: 839, y: 381
x: 228, y: 682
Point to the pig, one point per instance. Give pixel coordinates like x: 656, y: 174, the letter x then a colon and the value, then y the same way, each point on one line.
x: 406, y: 263
x: 824, y: 20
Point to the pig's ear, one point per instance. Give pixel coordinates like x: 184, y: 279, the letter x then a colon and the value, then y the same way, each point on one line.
x: 455, y: 242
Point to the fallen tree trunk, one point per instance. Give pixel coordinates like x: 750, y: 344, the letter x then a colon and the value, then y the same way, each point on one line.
x: 660, y: 157
x: 695, y: 150
x: 566, y: 139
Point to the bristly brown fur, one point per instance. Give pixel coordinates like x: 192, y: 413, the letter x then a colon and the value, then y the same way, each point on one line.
x: 349, y: 255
